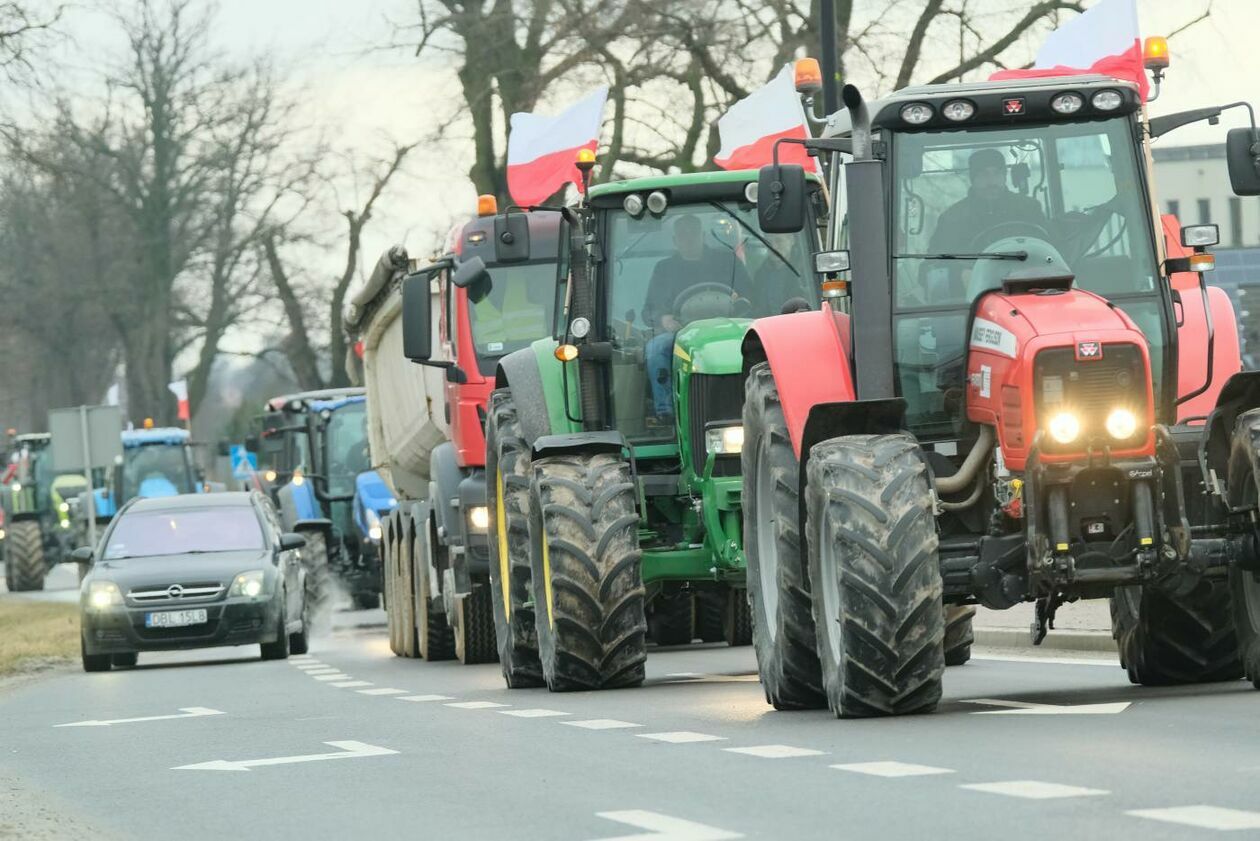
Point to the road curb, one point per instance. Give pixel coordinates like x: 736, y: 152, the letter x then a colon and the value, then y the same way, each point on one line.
x: 1054, y: 641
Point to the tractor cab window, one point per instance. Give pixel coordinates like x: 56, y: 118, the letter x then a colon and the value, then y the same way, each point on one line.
x: 513, y: 311
x: 346, y: 447
x: 156, y: 470
x: 693, y: 262
x: 971, y: 207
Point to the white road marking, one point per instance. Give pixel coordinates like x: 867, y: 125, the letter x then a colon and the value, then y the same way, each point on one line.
x: 685, y: 674
x: 1029, y: 708
x: 313, y: 667
x: 681, y: 737
x: 775, y: 751
x: 601, y: 724
x: 664, y: 828
x: 184, y: 712
x: 322, y: 670
x: 534, y: 713
x: 382, y: 691
x: 350, y: 684
x: 477, y: 705
x: 1035, y: 790
x: 892, y: 769
x: 345, y: 750
x: 1063, y: 661
x: 1203, y: 817
x: 422, y: 698
x: 335, y: 676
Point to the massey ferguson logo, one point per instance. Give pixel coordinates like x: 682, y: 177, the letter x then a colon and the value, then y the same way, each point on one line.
x: 1088, y: 350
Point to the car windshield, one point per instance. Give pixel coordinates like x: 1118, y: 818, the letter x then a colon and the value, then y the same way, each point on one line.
x: 345, y: 437
x: 155, y: 470
x: 516, y: 310
x: 144, y: 534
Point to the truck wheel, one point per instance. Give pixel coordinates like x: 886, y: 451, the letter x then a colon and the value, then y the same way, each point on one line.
x: 587, y: 575
x: 737, y: 625
x: 404, y: 591
x: 711, y: 615
x: 1167, y: 639
x: 670, y: 619
x: 389, y: 583
x: 93, y: 662
x: 435, y: 641
x: 875, y: 576
x: 959, y: 636
x: 26, y: 556
x: 782, y: 621
x: 319, y: 576
x: 474, y: 627
x: 507, y: 471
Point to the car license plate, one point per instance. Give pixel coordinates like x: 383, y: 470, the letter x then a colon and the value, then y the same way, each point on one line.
x: 174, y: 618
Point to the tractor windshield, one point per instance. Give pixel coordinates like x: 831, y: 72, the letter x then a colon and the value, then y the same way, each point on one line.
x: 972, y: 206
x: 515, y: 311
x: 346, y: 447
x: 156, y: 470
x: 696, y: 261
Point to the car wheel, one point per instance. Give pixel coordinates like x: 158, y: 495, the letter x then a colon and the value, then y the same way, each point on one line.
x: 125, y: 661
x: 93, y: 662
x: 278, y: 650
x: 300, y: 643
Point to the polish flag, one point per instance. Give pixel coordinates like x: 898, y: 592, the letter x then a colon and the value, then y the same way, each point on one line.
x: 180, y: 389
x: 751, y: 127
x: 1105, y: 39
x: 542, y: 151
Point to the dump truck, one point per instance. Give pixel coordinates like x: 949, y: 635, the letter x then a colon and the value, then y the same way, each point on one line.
x: 1026, y: 392
x: 38, y: 531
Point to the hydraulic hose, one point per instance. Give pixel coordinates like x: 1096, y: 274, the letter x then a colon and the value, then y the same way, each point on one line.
x: 976, y: 459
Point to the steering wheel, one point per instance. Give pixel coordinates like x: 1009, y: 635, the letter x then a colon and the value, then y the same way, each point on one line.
x: 706, y: 300
x: 1016, y: 229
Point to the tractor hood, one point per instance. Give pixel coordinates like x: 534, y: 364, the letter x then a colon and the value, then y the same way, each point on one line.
x: 373, y: 493
x: 712, y: 345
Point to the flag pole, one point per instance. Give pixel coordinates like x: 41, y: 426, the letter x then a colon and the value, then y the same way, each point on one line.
x: 830, y: 71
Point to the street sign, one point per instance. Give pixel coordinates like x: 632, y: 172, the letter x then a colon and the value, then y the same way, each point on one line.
x: 103, y: 438
x: 244, y: 463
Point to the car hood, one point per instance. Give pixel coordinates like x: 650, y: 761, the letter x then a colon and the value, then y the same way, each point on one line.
x: 164, y: 570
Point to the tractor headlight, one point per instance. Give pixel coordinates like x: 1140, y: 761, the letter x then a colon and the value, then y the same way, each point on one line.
x: 724, y: 440
x: 103, y: 594
x: 64, y: 507
x: 248, y: 584
x: 478, y: 519
x: 1064, y: 427
x: 373, y: 523
x: 1121, y: 424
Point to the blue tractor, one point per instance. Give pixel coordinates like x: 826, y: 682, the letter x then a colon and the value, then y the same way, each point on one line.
x: 156, y: 462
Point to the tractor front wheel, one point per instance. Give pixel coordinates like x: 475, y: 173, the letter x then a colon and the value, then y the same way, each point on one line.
x: 959, y: 636
x: 587, y: 572
x: 671, y: 618
x: 25, y: 555
x: 1244, y: 580
x: 875, y: 576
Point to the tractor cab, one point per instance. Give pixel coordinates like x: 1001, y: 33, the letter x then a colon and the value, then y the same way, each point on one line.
x: 156, y: 462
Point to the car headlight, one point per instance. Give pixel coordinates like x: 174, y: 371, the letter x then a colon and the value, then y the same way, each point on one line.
x: 103, y: 594
x: 373, y: 523
x: 249, y: 584
x: 1064, y: 427
x: 1121, y: 424
x: 478, y: 518
x: 724, y: 440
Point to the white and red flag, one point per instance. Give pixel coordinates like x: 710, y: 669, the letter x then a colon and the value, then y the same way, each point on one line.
x: 542, y: 151
x: 753, y: 125
x: 180, y: 389
x: 1105, y: 39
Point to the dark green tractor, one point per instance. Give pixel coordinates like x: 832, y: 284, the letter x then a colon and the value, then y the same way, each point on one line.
x: 37, y: 506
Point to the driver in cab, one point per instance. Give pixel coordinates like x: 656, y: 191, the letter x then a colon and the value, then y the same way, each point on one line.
x: 692, y: 263
x: 988, y: 203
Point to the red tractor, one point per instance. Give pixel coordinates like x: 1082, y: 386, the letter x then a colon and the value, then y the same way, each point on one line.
x: 1018, y: 391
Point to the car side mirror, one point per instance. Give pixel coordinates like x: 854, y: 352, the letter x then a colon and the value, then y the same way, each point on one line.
x: 291, y: 540
x: 417, y: 318
x: 511, y: 237
x: 82, y: 555
x: 781, y: 198
x: 1242, y: 151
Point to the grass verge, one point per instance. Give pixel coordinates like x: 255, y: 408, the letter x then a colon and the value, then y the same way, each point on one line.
x: 36, y: 633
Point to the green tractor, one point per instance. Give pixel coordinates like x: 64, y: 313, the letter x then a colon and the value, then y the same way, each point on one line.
x: 613, y: 448
x: 37, y: 507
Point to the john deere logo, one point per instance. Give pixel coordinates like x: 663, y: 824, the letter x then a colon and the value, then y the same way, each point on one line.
x: 1089, y: 350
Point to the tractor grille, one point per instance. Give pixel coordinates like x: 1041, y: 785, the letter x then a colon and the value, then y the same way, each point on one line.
x: 1091, y: 389
x: 714, y: 397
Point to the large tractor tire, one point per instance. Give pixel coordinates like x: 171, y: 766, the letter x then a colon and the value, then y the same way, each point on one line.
x: 959, y: 635
x: 1244, y: 583
x: 778, y: 587
x: 473, y: 627
x: 587, y: 572
x: 434, y: 638
x: 737, y: 623
x: 711, y: 615
x: 318, y: 577
x: 1167, y: 638
x: 671, y: 619
x: 507, y: 471
x: 25, y: 556
x: 875, y: 576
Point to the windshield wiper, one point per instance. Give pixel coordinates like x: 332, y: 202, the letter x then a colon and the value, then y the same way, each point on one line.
x: 763, y: 240
x: 980, y: 255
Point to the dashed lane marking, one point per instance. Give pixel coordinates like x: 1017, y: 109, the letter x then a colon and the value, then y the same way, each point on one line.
x: 601, y: 724
x: 534, y: 713
x: 1035, y: 790
x: 351, y: 684
x: 477, y: 705
x: 312, y: 667
x: 1203, y: 817
x: 775, y: 751
x: 423, y: 698
x: 1062, y: 661
x: 382, y: 691
x: 681, y: 737
x: 327, y: 670
x: 663, y: 827
x: 334, y: 676
x: 892, y: 769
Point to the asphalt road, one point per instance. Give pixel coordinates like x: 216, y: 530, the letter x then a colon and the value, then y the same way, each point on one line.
x: 391, y: 747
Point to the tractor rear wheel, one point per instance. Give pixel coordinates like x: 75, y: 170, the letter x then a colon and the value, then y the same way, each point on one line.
x: 434, y: 638
x: 25, y: 554
x: 587, y: 572
x: 1244, y: 584
x: 507, y: 471
x: 474, y: 627
x: 711, y: 615
x: 875, y: 576
x: 737, y: 625
x: 670, y: 619
x: 959, y: 636
x: 1167, y: 638
x: 782, y: 621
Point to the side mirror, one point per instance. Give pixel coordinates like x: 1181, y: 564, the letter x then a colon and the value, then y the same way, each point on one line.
x: 471, y: 272
x: 511, y: 238
x: 1242, y: 151
x: 417, y: 318
x: 82, y: 555
x: 291, y: 540
x: 781, y: 198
